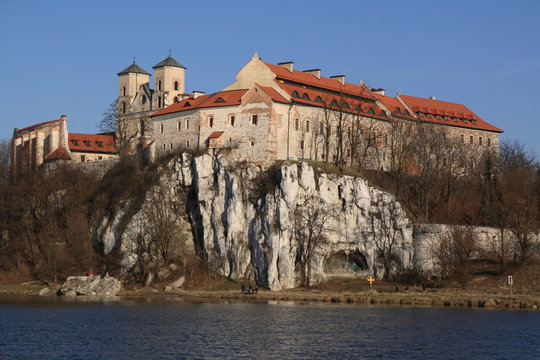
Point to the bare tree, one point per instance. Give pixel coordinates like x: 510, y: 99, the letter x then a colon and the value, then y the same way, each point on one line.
x: 454, y: 251
x: 386, y: 236
x: 312, y: 224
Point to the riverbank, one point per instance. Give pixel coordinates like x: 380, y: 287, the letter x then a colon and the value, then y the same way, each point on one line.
x: 414, y: 297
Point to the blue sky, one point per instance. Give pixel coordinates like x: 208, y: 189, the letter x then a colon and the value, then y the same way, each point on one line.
x: 61, y: 57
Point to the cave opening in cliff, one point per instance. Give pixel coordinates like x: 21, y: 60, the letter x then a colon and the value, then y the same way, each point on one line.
x: 345, y: 264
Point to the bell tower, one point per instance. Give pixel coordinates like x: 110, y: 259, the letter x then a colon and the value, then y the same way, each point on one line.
x: 169, y: 86
x: 129, y: 81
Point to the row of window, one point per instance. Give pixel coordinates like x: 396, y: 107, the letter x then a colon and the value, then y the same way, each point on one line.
x: 471, y: 140
x: 176, y: 85
x: 447, y: 118
x: 87, y: 143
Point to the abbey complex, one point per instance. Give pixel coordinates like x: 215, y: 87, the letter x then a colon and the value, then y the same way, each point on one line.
x: 271, y: 112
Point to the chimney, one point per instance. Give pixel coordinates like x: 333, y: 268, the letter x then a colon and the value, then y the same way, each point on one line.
x: 431, y: 98
x: 379, y: 91
x: 63, y: 117
x: 314, y: 72
x: 287, y: 65
x: 196, y: 93
x: 362, y: 83
x: 340, y: 78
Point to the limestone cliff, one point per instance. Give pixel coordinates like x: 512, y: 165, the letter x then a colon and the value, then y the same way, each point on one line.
x: 282, y: 229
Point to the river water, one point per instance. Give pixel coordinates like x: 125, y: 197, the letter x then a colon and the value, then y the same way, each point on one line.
x: 54, y: 328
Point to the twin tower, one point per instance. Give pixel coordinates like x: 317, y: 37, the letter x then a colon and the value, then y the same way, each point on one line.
x: 135, y: 94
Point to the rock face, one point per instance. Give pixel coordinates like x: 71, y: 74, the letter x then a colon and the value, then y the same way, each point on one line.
x: 90, y: 285
x: 282, y: 229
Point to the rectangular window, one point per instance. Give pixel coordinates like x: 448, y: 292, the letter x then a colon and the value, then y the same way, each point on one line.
x: 231, y: 120
x: 348, y: 152
x: 280, y: 120
x: 100, y: 157
x: 479, y: 140
x: 179, y: 125
x: 187, y: 124
x: 322, y: 129
x: 254, y: 119
x: 307, y: 126
x: 489, y: 141
x: 301, y: 144
x: 463, y: 139
x: 296, y: 124
x: 187, y: 144
x: 211, y: 121
x: 83, y: 158
x: 161, y: 128
x: 386, y: 139
x: 471, y: 139
x: 171, y: 146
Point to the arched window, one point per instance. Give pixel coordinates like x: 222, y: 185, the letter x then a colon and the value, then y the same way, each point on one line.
x: 123, y: 91
x: 159, y: 85
x: 123, y: 107
x: 159, y: 101
x: 176, y: 85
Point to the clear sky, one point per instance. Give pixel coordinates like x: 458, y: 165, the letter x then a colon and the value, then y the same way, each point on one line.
x: 61, y: 57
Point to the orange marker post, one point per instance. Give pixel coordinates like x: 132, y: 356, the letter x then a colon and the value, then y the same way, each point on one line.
x: 371, y: 281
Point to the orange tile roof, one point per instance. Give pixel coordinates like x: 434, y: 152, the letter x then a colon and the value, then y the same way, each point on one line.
x: 327, y: 99
x: 37, y: 125
x: 322, y: 82
x: 448, y: 109
x: 222, y: 98
x: 396, y: 108
x: 216, y: 134
x: 89, y: 142
x: 58, y: 154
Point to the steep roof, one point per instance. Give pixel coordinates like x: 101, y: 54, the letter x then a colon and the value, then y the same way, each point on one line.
x: 446, y: 113
x: 37, y: 125
x: 58, y: 154
x: 102, y: 143
x: 216, y: 134
x: 222, y: 98
x: 318, y: 98
x: 322, y: 82
x: 395, y: 107
x: 169, y: 61
x: 133, y: 68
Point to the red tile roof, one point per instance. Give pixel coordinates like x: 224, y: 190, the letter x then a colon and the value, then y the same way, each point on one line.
x: 37, y: 125
x: 451, y: 111
x: 215, y: 134
x: 396, y: 108
x: 222, y: 98
x: 94, y: 143
x: 322, y: 82
x: 308, y: 96
x: 58, y: 154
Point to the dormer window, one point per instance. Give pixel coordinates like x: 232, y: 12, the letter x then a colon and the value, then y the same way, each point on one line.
x: 371, y: 111
x: 420, y: 114
x: 333, y: 103
x: 187, y: 104
x: 445, y: 117
x: 438, y: 117
x: 464, y: 121
x: 75, y: 142
x: 220, y: 100
x: 99, y: 144
x: 398, y: 111
x: 295, y: 94
x: 358, y: 108
x: 345, y: 105
x: 428, y: 115
x: 87, y: 142
x: 318, y: 99
x: 305, y: 96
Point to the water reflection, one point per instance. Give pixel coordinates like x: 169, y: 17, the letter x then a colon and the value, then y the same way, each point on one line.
x: 173, y: 329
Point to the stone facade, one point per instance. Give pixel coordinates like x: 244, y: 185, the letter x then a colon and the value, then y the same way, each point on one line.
x: 298, y: 116
x: 47, y: 144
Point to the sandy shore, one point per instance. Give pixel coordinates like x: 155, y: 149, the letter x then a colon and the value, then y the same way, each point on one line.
x: 415, y: 297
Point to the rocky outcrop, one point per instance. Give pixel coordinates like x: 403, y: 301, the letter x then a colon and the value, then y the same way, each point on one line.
x: 281, y: 228
x: 90, y: 285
